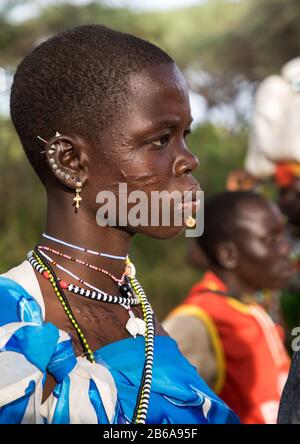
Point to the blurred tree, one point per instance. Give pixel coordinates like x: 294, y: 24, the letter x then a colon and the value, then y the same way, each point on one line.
x: 228, y: 41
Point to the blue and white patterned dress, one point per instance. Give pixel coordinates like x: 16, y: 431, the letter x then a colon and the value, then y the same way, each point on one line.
x: 87, y: 393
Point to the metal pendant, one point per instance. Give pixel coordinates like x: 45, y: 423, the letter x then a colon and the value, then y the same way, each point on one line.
x: 130, y: 270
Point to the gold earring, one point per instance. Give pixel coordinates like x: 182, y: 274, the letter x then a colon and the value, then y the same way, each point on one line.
x: 77, y: 199
x: 190, y: 222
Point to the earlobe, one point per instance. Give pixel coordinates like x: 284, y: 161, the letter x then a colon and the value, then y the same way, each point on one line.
x: 227, y: 255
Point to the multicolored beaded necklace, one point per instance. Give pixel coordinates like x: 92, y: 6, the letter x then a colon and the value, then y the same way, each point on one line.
x: 124, y: 288
x: 134, y: 325
x: 98, y: 295
x: 86, y: 264
x: 142, y: 404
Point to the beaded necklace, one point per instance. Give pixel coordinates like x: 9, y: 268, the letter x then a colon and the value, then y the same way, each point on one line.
x: 99, y: 295
x: 77, y: 247
x: 142, y: 403
x: 66, y: 306
x: 124, y: 288
x: 130, y: 268
x: 134, y: 326
x: 81, y: 262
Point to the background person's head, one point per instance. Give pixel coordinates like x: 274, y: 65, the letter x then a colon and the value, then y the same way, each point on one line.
x: 289, y: 202
x: 244, y: 236
x: 122, y: 109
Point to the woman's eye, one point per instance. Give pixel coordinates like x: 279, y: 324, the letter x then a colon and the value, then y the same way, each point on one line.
x: 162, y: 141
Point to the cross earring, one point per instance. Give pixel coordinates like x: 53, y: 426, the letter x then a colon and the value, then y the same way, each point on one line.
x: 77, y: 199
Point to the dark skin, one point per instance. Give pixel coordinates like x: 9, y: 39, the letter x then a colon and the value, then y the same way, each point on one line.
x: 258, y: 257
x: 196, y: 257
x: 144, y: 147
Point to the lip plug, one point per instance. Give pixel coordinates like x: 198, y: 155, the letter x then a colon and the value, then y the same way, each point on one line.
x: 190, y: 222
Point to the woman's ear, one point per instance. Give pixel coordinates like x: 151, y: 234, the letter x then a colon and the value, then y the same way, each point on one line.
x: 227, y: 255
x: 66, y: 160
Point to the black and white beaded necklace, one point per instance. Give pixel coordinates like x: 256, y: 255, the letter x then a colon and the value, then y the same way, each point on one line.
x: 142, y: 404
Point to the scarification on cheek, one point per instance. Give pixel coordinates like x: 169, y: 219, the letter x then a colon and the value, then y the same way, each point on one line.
x: 138, y: 179
x: 133, y: 169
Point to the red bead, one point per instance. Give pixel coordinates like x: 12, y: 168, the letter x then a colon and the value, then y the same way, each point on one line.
x: 46, y: 275
x: 63, y: 284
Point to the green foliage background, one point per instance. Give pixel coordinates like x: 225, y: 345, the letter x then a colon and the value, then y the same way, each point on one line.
x: 228, y: 39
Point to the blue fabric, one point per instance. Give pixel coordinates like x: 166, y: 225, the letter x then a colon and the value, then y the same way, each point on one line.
x: 61, y: 415
x: 63, y: 360
x: 13, y: 412
x: 178, y: 394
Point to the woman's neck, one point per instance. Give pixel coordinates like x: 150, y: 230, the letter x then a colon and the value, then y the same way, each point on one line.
x: 82, y: 230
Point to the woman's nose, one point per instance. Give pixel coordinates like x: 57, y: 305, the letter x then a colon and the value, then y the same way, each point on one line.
x: 185, y: 162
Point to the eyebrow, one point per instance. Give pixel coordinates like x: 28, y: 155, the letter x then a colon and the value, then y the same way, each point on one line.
x: 170, y: 123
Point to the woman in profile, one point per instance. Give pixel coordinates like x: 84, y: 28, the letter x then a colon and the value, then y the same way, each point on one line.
x: 79, y: 343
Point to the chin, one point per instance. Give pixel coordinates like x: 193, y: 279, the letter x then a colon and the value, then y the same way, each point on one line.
x: 160, y: 232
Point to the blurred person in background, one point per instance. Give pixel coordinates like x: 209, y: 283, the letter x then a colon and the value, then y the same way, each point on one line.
x: 274, y: 153
x: 221, y: 327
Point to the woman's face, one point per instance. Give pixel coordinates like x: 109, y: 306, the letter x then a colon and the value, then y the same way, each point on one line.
x: 146, y: 147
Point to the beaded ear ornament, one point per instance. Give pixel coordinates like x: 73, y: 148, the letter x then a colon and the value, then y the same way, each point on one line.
x: 52, y: 162
x: 58, y: 172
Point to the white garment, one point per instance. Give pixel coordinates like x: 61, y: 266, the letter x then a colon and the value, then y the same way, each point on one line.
x: 25, y: 276
x: 275, y: 132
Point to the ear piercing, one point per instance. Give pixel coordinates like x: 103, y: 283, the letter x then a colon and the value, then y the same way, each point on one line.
x: 52, y: 149
x: 43, y: 140
x: 53, y: 165
x: 77, y: 199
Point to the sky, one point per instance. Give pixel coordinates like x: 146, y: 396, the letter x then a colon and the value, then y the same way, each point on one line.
x: 154, y: 4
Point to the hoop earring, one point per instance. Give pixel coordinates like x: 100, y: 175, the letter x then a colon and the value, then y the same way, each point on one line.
x: 77, y: 199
